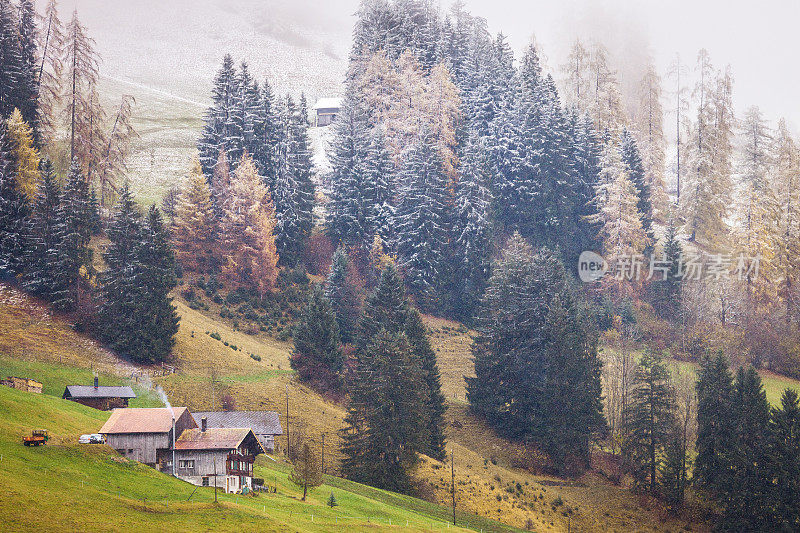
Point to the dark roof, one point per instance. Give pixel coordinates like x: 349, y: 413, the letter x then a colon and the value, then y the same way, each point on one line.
x: 88, y: 391
x: 214, y: 439
x: 261, y: 422
x: 142, y: 420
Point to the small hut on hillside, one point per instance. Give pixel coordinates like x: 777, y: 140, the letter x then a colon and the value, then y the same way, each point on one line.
x: 100, y: 397
x: 325, y: 111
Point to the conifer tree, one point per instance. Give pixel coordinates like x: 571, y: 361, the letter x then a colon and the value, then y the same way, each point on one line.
x: 28, y: 83
x: 650, y: 420
x: 785, y: 171
x: 195, y: 228
x: 421, y: 221
x: 386, y: 419
x: 222, y: 129
x: 24, y: 154
x: 785, y: 455
x: 632, y: 159
x: 307, y: 472
x: 715, y: 423
x: 651, y: 141
x: 45, y: 231
x: 75, y: 253
x: 248, y: 232
x: 379, y: 187
x: 666, y: 289
x: 14, y: 208
x: 342, y: 292
x: 317, y: 355
x: 672, y: 474
x: 12, y: 73
x: 536, y: 365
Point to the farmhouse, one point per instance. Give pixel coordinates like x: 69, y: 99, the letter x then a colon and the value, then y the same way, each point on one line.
x: 221, y: 457
x: 103, y: 398
x: 24, y: 384
x: 146, y: 435
x: 325, y: 111
x: 265, y: 424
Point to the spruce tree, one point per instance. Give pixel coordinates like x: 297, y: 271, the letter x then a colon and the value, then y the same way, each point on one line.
x: 317, y: 355
x: 650, y: 419
x: 12, y: 74
x: 666, y: 289
x: 45, y: 230
x: 14, y: 208
x: 342, y: 292
x: 28, y: 83
x: 636, y: 173
x: 75, y: 253
x: 715, y: 420
x: 785, y: 456
x: 222, y: 129
x: 536, y: 364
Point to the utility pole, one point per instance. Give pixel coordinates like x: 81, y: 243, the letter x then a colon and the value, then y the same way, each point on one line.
x: 288, y: 445
x: 453, y: 481
x: 215, y: 480
x: 323, y: 453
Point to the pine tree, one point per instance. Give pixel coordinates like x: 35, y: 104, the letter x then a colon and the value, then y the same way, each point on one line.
x: 536, y: 365
x: 379, y: 187
x: 342, y: 292
x: 650, y: 420
x: 195, y: 229
x: 24, y: 154
x: 666, y: 289
x: 45, y: 231
x: 75, y: 254
x: 636, y: 173
x: 672, y: 474
x: 785, y: 172
x: 14, y: 208
x: 317, y: 355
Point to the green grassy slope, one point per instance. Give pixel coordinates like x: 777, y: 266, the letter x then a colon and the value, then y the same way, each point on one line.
x: 67, y: 486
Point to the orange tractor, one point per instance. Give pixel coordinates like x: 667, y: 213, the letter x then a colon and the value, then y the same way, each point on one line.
x: 38, y: 437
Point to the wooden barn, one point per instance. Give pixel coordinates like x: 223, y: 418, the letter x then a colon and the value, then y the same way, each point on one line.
x: 146, y: 435
x: 100, y: 397
x: 24, y: 384
x: 265, y: 424
x: 223, y: 457
x: 325, y: 111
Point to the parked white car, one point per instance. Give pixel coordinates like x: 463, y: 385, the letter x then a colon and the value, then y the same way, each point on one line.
x: 92, y: 438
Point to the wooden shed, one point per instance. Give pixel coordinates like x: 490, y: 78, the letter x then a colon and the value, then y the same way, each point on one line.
x: 223, y: 457
x: 145, y: 434
x: 100, y: 397
x: 24, y: 384
x: 325, y: 111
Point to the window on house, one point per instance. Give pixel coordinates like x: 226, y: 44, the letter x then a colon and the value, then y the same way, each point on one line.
x: 186, y: 463
x: 205, y: 482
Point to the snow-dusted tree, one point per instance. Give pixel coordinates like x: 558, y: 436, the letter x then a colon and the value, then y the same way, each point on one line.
x: 637, y: 174
x: 377, y: 87
x: 617, y: 213
x: 52, y: 40
x: 410, y: 105
x: 115, y: 150
x: 422, y: 219
x: 248, y: 223
x: 379, y: 187
x: 194, y: 230
x: 45, y: 231
x: 294, y: 190
x: 24, y: 154
x: 342, y: 289
x: 28, y: 83
x: 11, y: 64
x: 346, y: 217
x: 75, y: 254
x: 577, y: 77
x: 785, y: 176
x: 14, y: 207
x: 677, y: 71
x: 222, y: 129
x: 472, y: 232
x: 266, y: 126
x: 606, y: 106
x: 705, y: 196
x: 652, y: 143
x: 757, y: 215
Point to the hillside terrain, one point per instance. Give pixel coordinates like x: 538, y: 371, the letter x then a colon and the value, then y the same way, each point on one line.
x: 493, y: 476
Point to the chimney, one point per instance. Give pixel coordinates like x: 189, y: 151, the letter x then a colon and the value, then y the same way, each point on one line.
x: 203, y: 424
x: 95, y: 382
